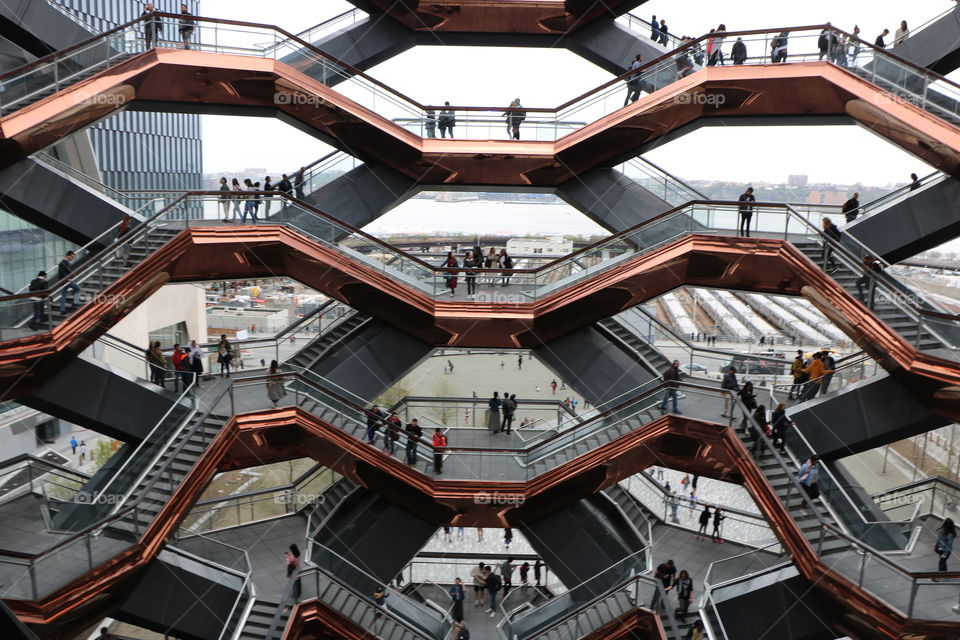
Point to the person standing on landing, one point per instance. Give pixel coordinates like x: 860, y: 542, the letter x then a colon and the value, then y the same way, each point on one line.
x: 746, y: 211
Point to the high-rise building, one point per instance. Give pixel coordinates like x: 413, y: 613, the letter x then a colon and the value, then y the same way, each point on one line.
x: 140, y: 149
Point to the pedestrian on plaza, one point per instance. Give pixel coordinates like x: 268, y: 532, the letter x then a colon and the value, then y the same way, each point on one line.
x: 809, y: 471
x: 780, y: 427
x: 854, y: 45
x: 430, y: 123
x: 152, y: 26
x: 450, y: 366
x: 537, y: 566
x: 414, y: 432
x: 633, y: 81
x: 471, y: 262
x: 704, y: 521
x: 739, y: 52
x: 392, y: 433
x: 673, y: 502
x: 375, y: 416
x: 187, y: 23
x: 729, y: 384
x: 524, y: 573
x: 275, y: 389
x: 664, y: 34
x: 73, y: 444
x: 493, y: 583
x: 181, y: 365
x: 851, y: 208
x: 901, y: 34
x: 514, y: 116
x: 509, y: 409
x: 439, y: 444
x: 105, y: 634
x: 914, y: 182
x: 451, y: 276
x: 447, y: 121
x: 71, y: 288
x: 479, y: 584
x: 457, y: 595
x: 520, y: 362
x: 879, y: 42
x: 718, y: 518
x: 684, y: 64
x: 83, y: 451
x: 946, y: 534
x: 746, y: 211
x: 654, y: 29
x: 225, y: 198
x: 747, y: 396
x: 672, y: 379
x: 493, y: 419
x: 666, y: 573
x: 506, y: 567
x: 224, y: 356
x: 696, y: 631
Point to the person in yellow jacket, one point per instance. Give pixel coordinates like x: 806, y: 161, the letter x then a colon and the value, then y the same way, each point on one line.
x: 816, y: 370
x: 796, y: 370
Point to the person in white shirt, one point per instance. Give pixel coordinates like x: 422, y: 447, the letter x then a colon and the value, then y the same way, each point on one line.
x: 901, y: 34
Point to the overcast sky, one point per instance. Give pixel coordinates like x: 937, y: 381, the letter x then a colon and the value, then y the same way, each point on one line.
x: 840, y: 154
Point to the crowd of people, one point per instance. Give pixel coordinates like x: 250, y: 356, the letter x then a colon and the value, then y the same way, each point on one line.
x: 447, y: 120
x: 236, y: 205
x: 393, y: 430
x: 498, y: 262
x: 185, y: 363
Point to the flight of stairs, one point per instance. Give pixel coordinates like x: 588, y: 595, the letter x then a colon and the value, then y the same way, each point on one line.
x: 170, y: 469
x: 17, y: 89
x: 555, y: 452
x: 885, y: 310
x: 94, y: 284
x: 779, y: 479
x: 593, y: 617
x: 648, y: 354
x: 315, y: 349
x: 257, y: 624
x: 950, y: 108
x: 332, y: 497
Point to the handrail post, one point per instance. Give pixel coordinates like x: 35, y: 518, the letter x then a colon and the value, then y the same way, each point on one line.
x: 913, y: 596
x: 863, y: 567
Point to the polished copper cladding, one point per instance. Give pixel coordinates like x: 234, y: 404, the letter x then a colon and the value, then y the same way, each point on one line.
x: 499, y: 16
x: 685, y: 444
x: 206, y: 82
x: 746, y: 264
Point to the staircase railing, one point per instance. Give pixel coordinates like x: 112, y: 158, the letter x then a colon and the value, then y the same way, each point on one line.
x: 53, y: 73
x: 739, y: 526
